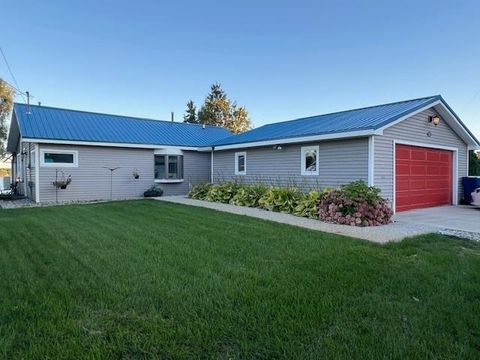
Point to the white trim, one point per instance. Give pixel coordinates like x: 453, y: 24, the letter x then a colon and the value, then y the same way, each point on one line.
x: 169, y: 181
x: 455, y: 177
x: 371, y: 160
x: 425, y: 145
x: 22, y: 167
x: 237, y: 155
x: 166, y: 155
x: 440, y: 106
x: 169, y: 151
x: 37, y: 173
x: 468, y: 160
x: 462, y: 126
x: 303, y: 139
x: 211, y: 166
x: 410, y: 114
x: 125, y: 145
x: 59, y: 165
x: 303, y: 171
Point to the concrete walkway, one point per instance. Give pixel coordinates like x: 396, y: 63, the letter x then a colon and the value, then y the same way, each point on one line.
x: 462, y: 221
x: 379, y: 234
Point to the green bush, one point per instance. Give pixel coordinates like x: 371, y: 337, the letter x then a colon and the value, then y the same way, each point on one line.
x: 360, y: 191
x: 308, y: 206
x: 249, y: 195
x: 280, y: 199
x: 223, y: 192
x: 199, y: 192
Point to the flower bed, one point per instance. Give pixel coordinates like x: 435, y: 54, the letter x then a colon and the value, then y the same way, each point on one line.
x: 354, y: 204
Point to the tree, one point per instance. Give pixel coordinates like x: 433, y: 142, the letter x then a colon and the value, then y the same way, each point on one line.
x: 474, y: 163
x: 190, y: 115
x: 220, y: 111
x: 6, y: 103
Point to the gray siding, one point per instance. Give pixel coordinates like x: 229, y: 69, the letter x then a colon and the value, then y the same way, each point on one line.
x: 414, y: 129
x: 339, y: 162
x: 31, y: 168
x: 196, y: 170
x: 91, y: 181
x: 21, y: 169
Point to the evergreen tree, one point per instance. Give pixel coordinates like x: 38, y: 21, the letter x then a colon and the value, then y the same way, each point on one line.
x: 190, y: 115
x: 220, y: 111
x: 474, y: 163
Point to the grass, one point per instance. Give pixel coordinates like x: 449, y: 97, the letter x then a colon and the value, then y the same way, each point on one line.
x: 146, y: 279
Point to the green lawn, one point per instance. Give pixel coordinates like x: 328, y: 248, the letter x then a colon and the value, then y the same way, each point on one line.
x: 146, y: 279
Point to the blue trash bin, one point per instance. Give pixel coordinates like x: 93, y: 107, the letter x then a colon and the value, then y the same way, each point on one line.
x: 469, y: 184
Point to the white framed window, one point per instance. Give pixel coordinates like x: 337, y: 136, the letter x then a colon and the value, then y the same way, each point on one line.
x: 241, y: 163
x: 169, y: 167
x: 58, y: 158
x: 310, y: 160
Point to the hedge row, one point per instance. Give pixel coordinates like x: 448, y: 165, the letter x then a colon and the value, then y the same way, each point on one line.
x: 353, y: 204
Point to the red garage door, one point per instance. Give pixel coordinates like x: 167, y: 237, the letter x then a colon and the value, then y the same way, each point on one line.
x: 423, y: 177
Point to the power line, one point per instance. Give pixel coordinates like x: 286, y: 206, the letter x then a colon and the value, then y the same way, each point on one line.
x: 18, y: 91
x: 11, y: 74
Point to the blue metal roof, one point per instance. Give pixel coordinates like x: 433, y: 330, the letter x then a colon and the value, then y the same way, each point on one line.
x: 369, y: 118
x: 43, y: 122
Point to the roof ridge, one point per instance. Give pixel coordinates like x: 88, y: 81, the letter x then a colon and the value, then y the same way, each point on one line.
x: 115, y: 115
x: 356, y: 109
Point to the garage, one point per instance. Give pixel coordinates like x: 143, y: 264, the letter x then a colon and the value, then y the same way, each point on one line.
x: 423, y: 177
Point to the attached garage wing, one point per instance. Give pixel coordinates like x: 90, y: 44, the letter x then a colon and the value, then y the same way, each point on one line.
x: 423, y: 177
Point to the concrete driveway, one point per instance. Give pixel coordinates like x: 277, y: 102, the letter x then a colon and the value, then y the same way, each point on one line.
x: 447, y: 219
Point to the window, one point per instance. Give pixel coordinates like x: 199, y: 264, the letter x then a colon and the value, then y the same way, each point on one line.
x: 169, y: 167
x: 310, y: 160
x: 240, y: 163
x: 59, y: 158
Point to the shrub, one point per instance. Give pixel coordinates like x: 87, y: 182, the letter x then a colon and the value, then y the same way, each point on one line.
x: 359, y: 190
x: 249, y: 195
x: 355, y: 204
x: 154, y: 191
x: 280, y: 199
x: 199, y: 192
x: 308, y: 206
x: 222, y: 192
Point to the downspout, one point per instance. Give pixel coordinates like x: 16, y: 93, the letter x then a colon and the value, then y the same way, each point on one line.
x: 211, y: 165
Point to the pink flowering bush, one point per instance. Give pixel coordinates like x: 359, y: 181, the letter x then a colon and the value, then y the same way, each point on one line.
x: 355, y: 204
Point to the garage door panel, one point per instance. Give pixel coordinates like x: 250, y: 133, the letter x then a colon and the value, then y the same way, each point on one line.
x: 403, y: 169
x: 418, y: 169
x: 433, y: 156
x: 423, y: 177
x: 417, y: 155
x: 445, y: 157
x: 402, y: 154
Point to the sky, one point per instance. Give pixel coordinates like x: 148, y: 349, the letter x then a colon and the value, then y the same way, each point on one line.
x: 280, y: 59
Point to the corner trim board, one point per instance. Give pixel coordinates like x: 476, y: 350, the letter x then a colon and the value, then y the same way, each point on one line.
x: 37, y: 173
x: 371, y: 160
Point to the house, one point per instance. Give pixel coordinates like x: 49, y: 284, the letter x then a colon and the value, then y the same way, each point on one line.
x: 49, y: 144
x: 414, y: 151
